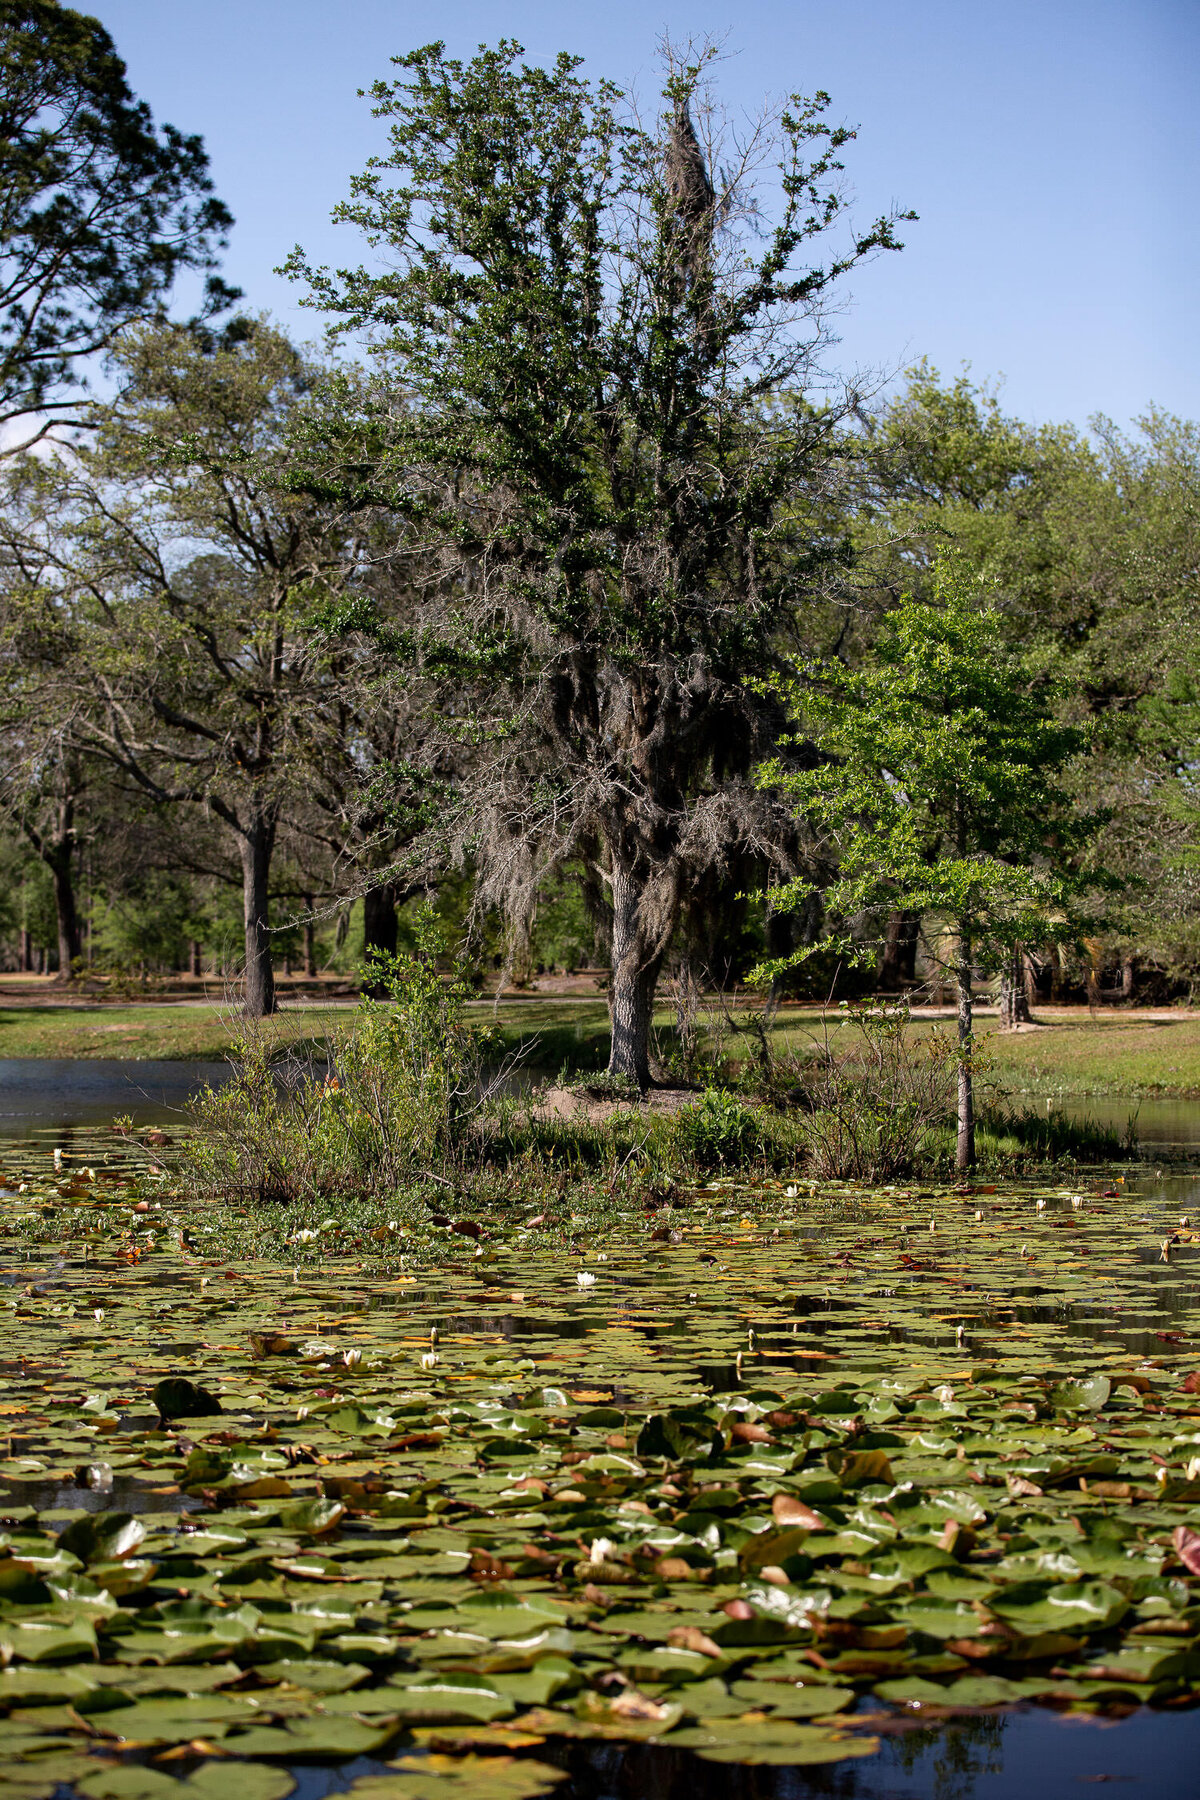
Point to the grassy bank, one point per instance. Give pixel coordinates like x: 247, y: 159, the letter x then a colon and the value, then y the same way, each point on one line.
x: 1072, y: 1053
x: 193, y: 1033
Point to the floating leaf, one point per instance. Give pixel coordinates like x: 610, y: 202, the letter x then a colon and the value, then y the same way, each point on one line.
x: 471, y: 1777
x: 1082, y: 1396
x: 102, y: 1537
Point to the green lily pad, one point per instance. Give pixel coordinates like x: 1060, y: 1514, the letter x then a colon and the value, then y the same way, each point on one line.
x: 1070, y: 1606
x: 766, y: 1743
x: 471, y: 1777
x: 1087, y: 1395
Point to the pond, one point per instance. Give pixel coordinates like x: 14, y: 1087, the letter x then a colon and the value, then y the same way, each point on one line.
x: 1172, y: 1124
x: 775, y: 1492
x: 39, y: 1094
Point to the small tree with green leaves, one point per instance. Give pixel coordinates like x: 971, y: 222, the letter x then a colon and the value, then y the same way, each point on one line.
x: 941, y: 784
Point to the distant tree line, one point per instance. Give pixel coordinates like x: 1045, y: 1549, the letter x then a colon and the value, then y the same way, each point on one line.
x: 536, y: 588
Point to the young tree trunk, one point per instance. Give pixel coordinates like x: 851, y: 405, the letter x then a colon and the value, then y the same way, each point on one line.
x: 256, y: 841
x: 898, y: 964
x: 635, y: 966
x: 965, y: 1158
x: 1014, y: 992
x: 26, y: 951
x: 197, y: 959
x: 310, y: 939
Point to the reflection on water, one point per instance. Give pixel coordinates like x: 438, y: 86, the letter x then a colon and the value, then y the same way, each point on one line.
x: 1173, y: 1124
x: 1018, y: 1755
x: 40, y: 1093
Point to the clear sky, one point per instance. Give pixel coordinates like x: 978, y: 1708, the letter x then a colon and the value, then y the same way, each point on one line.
x: 1051, y: 147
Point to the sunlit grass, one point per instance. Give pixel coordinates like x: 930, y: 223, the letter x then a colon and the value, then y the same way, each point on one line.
x: 1075, y: 1052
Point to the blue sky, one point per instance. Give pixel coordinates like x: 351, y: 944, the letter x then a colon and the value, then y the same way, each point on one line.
x: 1051, y: 147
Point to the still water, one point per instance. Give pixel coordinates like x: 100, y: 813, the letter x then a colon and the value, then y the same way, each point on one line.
x: 38, y: 1094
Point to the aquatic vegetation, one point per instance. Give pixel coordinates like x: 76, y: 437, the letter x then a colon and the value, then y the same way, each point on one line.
x: 789, y: 1447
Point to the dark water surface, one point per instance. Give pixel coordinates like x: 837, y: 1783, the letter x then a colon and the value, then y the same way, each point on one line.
x: 1030, y: 1755
x: 39, y: 1093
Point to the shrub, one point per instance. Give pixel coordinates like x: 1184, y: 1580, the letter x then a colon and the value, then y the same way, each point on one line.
x: 718, y: 1131
x: 402, y: 1090
x: 871, y: 1107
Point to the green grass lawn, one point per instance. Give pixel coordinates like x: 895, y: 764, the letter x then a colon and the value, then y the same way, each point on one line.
x: 1073, y: 1054
x: 1109, y: 1054
x: 188, y: 1033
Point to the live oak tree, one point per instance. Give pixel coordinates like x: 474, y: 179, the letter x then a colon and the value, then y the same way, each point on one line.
x: 942, y: 785
x: 180, y: 572
x: 594, y: 413
x: 100, y: 209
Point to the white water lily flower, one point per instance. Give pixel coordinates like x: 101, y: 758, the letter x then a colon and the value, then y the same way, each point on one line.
x: 306, y: 1236
x: 430, y: 1359
x: 944, y: 1394
x: 98, y: 1315
x: 585, y: 1279
x: 601, y: 1550
x: 352, y: 1358
x: 57, y: 1160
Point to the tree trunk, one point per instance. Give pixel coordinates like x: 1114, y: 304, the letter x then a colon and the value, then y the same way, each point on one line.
x: 256, y: 841
x: 898, y: 964
x: 56, y: 850
x: 197, y: 959
x: 1014, y: 992
x: 70, y: 943
x: 381, y: 927
x: 381, y: 930
x: 1127, y: 974
x: 26, y: 951
x: 965, y: 1158
x: 635, y: 968
x: 310, y: 939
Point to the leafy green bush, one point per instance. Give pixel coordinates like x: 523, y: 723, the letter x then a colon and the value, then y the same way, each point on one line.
x: 718, y: 1131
